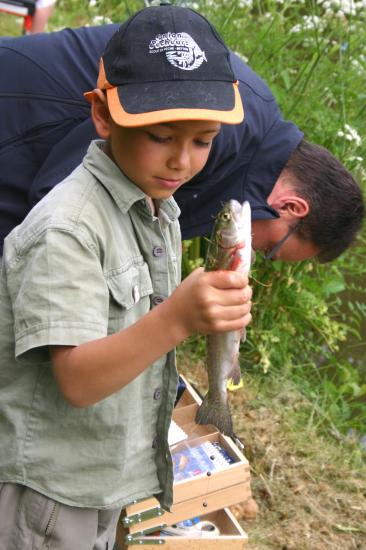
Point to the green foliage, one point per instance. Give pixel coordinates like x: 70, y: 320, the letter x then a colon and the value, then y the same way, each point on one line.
x: 299, y: 328
x: 193, y: 255
x: 293, y: 313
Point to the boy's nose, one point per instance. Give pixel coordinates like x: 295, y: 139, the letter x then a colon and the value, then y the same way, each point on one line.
x: 179, y: 159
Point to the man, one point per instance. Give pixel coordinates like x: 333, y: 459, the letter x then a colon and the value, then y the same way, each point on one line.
x: 304, y: 202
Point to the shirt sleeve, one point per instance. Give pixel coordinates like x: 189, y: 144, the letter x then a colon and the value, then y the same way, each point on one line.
x: 59, y: 295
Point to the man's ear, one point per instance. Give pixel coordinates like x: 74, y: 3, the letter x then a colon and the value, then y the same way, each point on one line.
x: 291, y: 206
x: 100, y: 114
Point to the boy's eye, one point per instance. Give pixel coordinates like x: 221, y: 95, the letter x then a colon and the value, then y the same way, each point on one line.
x: 157, y: 139
x: 202, y: 143
x: 165, y: 139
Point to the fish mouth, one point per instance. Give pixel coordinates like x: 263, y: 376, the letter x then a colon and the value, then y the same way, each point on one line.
x: 237, y: 210
x: 239, y: 214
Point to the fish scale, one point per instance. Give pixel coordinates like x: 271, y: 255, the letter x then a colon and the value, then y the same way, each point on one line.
x: 230, y: 248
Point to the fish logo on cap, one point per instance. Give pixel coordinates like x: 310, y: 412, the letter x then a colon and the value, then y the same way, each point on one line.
x: 181, y: 50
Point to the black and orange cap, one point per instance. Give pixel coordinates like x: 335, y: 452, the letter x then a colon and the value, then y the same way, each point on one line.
x: 168, y: 63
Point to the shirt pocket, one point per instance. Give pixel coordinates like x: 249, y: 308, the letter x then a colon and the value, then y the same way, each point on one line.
x: 129, y: 299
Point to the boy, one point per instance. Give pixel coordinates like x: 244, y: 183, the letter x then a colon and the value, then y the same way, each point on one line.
x: 91, y: 307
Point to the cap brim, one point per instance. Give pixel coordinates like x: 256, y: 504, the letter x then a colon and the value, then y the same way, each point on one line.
x: 132, y: 105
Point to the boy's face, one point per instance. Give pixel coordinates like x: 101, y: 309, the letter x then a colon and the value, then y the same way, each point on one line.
x: 162, y: 157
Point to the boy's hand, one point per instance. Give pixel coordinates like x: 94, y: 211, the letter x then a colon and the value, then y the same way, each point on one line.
x: 210, y: 301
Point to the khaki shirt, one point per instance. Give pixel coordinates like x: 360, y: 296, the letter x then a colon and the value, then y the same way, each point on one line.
x: 89, y: 260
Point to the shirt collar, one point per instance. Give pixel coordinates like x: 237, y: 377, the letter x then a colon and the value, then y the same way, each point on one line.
x: 124, y: 192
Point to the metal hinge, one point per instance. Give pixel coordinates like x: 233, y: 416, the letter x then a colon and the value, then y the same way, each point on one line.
x: 135, y: 538
x: 142, y: 516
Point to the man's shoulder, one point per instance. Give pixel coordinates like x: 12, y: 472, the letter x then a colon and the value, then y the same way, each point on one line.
x: 41, y: 47
x: 62, y: 63
x: 249, y: 79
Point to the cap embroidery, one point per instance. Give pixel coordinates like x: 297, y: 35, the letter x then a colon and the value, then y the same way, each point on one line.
x: 181, y: 50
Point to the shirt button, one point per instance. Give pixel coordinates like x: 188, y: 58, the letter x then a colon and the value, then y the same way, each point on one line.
x: 157, y: 394
x: 135, y: 294
x: 157, y: 300
x: 158, y: 251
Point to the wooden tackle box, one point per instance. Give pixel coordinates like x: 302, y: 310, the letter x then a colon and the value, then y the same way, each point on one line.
x: 206, y: 495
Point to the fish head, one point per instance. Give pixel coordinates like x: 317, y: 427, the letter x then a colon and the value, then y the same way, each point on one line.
x: 233, y: 224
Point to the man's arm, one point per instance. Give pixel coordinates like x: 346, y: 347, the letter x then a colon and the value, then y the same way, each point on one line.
x: 41, y: 100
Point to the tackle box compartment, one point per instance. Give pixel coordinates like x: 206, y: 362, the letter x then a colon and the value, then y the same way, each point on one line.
x: 231, y: 536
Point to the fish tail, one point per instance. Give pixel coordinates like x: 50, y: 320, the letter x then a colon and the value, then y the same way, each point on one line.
x: 215, y: 412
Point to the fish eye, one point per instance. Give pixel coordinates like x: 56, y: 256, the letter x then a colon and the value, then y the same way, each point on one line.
x: 226, y: 216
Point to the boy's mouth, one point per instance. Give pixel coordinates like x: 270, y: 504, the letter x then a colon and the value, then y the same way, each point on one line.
x: 169, y: 183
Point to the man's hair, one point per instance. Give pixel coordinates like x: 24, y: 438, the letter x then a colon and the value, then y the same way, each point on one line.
x: 335, y: 199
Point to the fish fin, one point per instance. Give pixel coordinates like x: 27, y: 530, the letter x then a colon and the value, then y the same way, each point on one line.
x: 233, y: 387
x: 243, y: 335
x: 235, y: 374
x: 216, y: 413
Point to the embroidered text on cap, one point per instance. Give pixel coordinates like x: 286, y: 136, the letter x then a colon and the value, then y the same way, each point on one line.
x: 181, y: 50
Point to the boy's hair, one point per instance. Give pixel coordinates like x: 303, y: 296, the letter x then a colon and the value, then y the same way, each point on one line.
x: 168, y: 63
x: 335, y: 199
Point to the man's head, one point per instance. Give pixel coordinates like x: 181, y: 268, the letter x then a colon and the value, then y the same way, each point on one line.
x: 336, y: 203
x: 320, y: 205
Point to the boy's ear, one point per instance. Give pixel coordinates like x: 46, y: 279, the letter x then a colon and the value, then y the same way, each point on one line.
x: 100, y: 114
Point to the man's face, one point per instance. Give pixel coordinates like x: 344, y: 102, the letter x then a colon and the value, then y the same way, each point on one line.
x: 268, y: 233
x: 160, y: 158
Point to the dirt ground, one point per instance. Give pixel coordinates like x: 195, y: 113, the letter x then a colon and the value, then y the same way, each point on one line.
x: 309, y: 494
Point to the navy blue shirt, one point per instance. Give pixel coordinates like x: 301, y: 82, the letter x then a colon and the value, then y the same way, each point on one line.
x: 46, y: 129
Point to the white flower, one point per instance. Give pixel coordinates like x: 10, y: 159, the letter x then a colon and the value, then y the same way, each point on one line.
x: 358, y: 159
x: 350, y: 134
x: 342, y: 8
x: 98, y: 20
x: 309, y: 22
x: 296, y: 28
x: 358, y: 65
x: 245, y: 3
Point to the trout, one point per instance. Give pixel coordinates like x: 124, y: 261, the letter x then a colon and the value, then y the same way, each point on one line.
x: 230, y: 248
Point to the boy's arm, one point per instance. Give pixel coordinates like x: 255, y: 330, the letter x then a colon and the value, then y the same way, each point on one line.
x: 204, y: 302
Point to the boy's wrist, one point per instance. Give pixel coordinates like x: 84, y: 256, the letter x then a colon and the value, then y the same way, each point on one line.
x: 172, y: 323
